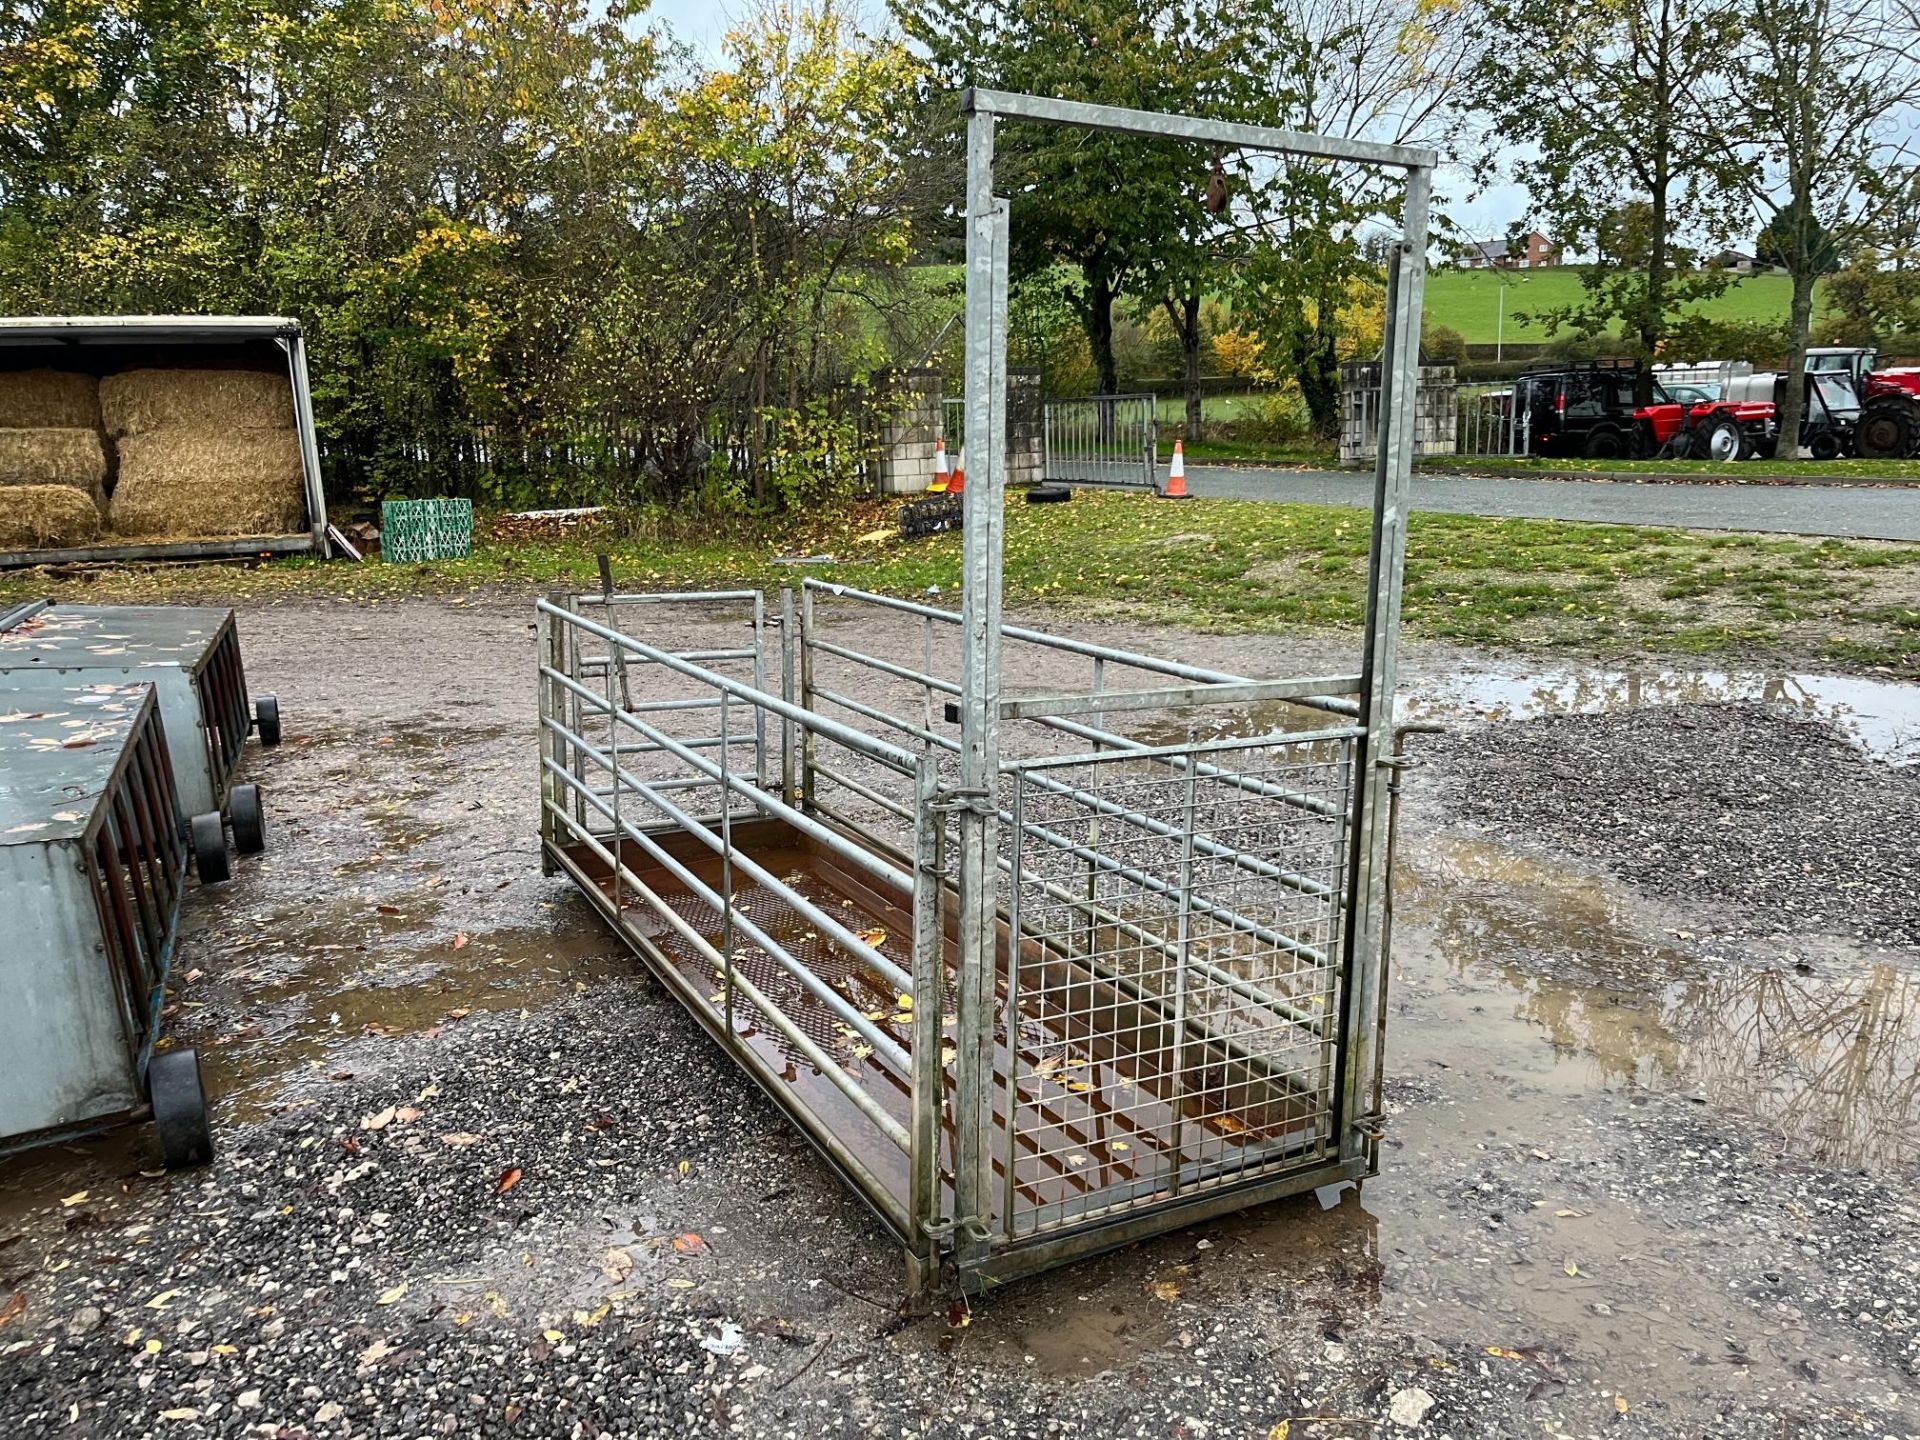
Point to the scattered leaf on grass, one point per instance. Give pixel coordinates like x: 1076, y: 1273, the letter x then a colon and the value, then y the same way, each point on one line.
x: 508, y: 1179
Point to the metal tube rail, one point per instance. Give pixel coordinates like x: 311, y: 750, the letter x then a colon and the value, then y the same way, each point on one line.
x: 878, y: 867
x: 1091, y: 649
x: 777, y: 1017
x: 763, y: 800
x: 665, y: 597
x: 883, y: 1044
x: 856, y: 740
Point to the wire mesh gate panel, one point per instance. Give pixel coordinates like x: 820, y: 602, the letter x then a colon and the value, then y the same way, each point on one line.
x: 1036, y: 969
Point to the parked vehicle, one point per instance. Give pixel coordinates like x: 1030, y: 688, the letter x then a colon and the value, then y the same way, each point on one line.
x: 1889, y: 423
x: 1583, y: 409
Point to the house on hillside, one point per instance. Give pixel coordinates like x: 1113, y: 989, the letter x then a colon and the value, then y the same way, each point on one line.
x: 1533, y: 251
x: 1741, y: 263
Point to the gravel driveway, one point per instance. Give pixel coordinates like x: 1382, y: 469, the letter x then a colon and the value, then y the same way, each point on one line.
x: 479, y: 1175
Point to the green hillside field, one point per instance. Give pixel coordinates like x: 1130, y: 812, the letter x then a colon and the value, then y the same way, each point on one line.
x: 1468, y: 300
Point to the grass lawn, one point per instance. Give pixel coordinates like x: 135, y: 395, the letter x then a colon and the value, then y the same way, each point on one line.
x: 1220, y: 565
x: 1469, y: 300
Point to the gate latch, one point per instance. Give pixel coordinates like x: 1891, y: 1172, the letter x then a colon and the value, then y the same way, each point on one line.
x: 979, y: 802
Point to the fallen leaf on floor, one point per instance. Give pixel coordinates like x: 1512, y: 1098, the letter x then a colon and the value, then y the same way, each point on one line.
x: 678, y: 1284
x: 1168, y: 1290
x: 160, y: 1301
x: 616, y: 1265
x: 77, y: 1198
x: 1571, y: 1268
x: 552, y: 1337
x: 459, y: 942
x: 459, y: 1014
x: 875, y: 937
x: 1079, y: 1087
x: 461, y: 1137
x: 1120, y: 1146
x: 959, y: 1313
x: 1500, y: 1352
x: 10, y: 1311
x: 388, y: 1297
x: 1280, y: 1431
x: 1567, y: 1214
x: 686, y: 1168
x: 388, y: 909
x: 1047, y: 1065
x: 407, y: 1114
x: 595, y: 1316
x: 508, y: 1179
x: 185, y: 1412
x: 378, y: 1121
x: 1620, y: 1404
x: 152, y: 1347
x: 376, y: 1352
x: 689, y: 1241
x: 874, y: 537
x: 947, y: 1052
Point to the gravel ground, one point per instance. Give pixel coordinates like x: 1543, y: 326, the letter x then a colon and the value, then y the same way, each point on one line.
x: 593, y: 1225
x: 1740, y: 805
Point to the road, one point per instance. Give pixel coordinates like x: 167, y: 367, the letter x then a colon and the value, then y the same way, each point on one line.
x: 1868, y: 513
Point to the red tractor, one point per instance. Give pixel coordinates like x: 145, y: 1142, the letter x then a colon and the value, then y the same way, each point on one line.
x: 1889, y: 424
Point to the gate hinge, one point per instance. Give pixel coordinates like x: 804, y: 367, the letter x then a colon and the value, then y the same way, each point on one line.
x: 943, y: 1231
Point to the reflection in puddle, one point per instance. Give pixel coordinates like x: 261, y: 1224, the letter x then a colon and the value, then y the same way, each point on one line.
x: 1831, y: 1062
x: 1882, y: 717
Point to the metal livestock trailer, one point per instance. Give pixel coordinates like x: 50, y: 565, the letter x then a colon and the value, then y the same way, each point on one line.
x: 1040, y: 973
x: 93, y: 868
x: 191, y: 656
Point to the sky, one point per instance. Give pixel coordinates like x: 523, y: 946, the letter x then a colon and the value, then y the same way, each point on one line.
x: 702, y: 23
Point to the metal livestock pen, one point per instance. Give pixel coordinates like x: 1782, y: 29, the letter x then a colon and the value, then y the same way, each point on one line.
x: 1036, y: 966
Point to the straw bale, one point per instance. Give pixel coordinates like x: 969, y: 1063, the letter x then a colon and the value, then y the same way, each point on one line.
x: 53, y: 457
x: 135, y: 402
x: 46, y: 517
x: 49, y: 399
x: 192, y: 483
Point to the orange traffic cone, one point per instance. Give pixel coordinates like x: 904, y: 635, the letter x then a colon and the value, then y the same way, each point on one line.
x: 958, y: 481
x: 1177, y: 476
x: 940, y: 475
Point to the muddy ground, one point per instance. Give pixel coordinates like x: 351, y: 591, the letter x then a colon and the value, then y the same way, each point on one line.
x: 1653, y: 1164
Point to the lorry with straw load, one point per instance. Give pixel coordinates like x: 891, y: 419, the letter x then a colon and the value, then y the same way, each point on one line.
x: 152, y: 437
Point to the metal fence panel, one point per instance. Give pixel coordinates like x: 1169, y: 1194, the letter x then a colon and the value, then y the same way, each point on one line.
x: 1494, y: 421
x: 1104, y: 440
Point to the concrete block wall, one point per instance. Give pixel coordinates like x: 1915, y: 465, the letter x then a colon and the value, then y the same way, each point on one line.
x: 907, y: 438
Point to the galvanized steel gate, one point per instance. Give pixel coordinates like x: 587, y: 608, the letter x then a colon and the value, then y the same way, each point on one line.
x: 1108, y: 440
x: 1040, y: 974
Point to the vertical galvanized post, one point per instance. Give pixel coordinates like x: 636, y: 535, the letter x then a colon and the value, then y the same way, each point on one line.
x: 726, y: 866
x: 760, y: 684
x: 806, y: 697
x: 613, y: 751
x: 1010, y: 1125
x: 550, y: 748
x: 1393, y: 472
x: 979, y: 686
x: 929, y: 1081
x: 1183, y: 946
x: 786, y: 693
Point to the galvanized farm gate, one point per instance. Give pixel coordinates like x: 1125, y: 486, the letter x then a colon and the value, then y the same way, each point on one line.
x: 1110, y: 440
x: 1039, y: 973
x: 1495, y: 420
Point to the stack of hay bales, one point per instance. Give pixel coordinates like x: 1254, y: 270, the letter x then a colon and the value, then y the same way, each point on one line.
x: 53, y: 463
x: 204, y: 452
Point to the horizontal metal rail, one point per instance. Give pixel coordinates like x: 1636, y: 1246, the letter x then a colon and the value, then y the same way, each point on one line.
x: 883, y: 1044
x: 1040, y: 707
x: 1153, y: 664
x: 763, y: 800
x: 857, y: 741
x: 792, y: 1033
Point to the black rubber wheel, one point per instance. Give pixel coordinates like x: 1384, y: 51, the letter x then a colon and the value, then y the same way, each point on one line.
x: 209, y: 838
x: 266, y: 719
x: 1823, y: 445
x: 1606, y: 443
x: 1724, y: 440
x: 179, y: 1109
x: 1888, y: 430
x: 1048, y: 494
x: 248, y: 816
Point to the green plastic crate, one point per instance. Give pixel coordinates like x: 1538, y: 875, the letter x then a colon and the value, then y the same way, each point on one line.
x: 415, y: 530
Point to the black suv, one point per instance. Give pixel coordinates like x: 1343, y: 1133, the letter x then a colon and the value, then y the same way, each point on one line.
x: 1583, y: 409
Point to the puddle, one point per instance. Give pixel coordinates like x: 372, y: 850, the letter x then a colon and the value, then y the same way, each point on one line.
x: 1881, y: 717
x: 1826, y: 1056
